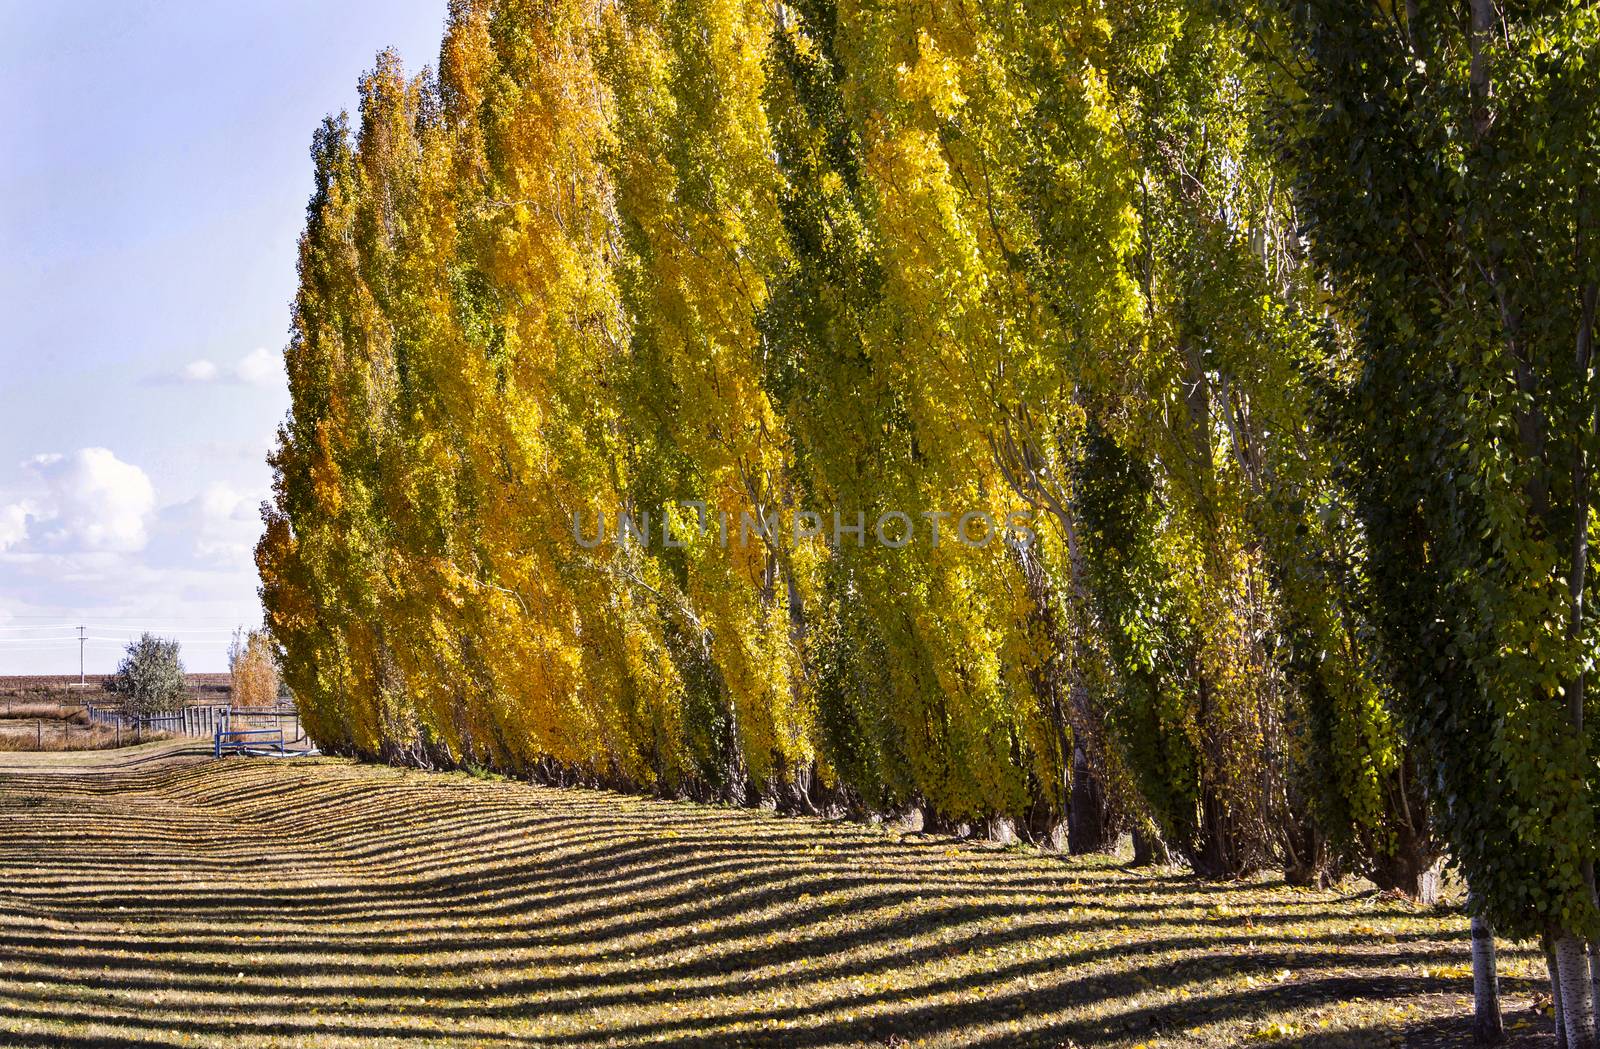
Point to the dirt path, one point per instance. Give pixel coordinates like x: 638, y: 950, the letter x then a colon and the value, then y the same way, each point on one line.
x: 157, y: 898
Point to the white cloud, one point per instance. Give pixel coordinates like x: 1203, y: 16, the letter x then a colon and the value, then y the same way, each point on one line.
x: 229, y: 525
x: 14, y: 524
x: 217, y: 528
x: 118, y: 595
x: 199, y: 371
x: 92, y: 501
x: 85, y: 541
x: 261, y: 367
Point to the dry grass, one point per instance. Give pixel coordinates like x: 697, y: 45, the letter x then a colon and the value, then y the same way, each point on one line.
x: 51, y: 710
x: 51, y: 725
x: 47, y: 685
x: 57, y: 688
x: 29, y: 683
x: 317, y: 903
x: 57, y: 735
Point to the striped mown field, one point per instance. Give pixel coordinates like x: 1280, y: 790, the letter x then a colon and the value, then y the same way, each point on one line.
x: 321, y: 903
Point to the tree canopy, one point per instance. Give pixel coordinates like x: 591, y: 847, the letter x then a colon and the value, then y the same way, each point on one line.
x: 1050, y: 419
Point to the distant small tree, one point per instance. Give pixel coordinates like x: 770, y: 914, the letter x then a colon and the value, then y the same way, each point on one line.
x: 150, y: 676
x: 254, y: 668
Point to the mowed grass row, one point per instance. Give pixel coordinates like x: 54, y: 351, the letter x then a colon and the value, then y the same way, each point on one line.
x: 321, y: 903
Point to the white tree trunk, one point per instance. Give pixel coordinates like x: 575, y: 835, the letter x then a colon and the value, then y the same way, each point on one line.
x: 1594, y: 981
x: 1002, y: 830
x: 1555, y: 994
x: 1594, y: 985
x: 1487, y: 1027
x: 1428, y: 884
x: 1577, y: 1008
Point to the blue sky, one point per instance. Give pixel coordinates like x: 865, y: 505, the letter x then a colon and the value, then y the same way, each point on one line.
x: 153, y: 180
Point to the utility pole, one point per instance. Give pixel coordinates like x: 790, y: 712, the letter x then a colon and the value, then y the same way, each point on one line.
x: 83, y: 636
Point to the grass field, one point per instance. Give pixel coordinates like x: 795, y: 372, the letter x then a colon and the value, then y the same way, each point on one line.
x: 35, y: 724
x: 19, y: 690
x: 156, y: 901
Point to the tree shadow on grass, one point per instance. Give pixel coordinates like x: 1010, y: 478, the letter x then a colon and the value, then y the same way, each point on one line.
x: 235, y: 903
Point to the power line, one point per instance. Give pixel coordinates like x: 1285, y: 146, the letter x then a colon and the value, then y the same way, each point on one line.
x: 117, y: 624
x: 103, y: 626
x: 119, y: 618
x: 46, y: 642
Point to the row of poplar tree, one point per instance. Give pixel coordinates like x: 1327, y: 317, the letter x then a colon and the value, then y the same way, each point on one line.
x: 1275, y: 320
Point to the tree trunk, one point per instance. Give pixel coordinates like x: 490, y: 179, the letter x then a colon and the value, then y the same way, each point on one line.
x: 1487, y: 1027
x: 1060, y: 687
x: 1149, y: 849
x: 1002, y: 830
x: 1594, y: 977
x: 1427, y: 884
x: 1555, y: 994
x: 1215, y: 851
x: 1414, y: 864
x: 1308, y: 867
x: 1089, y: 824
x: 1577, y: 1008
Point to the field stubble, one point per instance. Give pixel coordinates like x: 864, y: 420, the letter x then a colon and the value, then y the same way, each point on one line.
x: 320, y: 903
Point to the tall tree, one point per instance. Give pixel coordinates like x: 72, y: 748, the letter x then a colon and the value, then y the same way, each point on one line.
x: 1445, y: 159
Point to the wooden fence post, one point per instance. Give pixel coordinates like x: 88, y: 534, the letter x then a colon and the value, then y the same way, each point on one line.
x: 38, y: 735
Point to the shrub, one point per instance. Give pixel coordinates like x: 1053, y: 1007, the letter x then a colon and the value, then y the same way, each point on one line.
x: 254, y: 668
x: 150, y: 676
